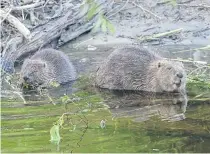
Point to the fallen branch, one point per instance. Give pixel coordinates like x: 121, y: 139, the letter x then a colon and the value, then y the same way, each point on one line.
x: 16, y: 23
x: 119, y: 9
x: 202, y: 48
x: 199, y: 5
x: 191, y: 61
x: 161, y: 34
x: 6, y: 15
x: 76, y: 31
x: 12, y: 45
x: 145, y: 10
x: 74, y: 21
x: 30, y: 6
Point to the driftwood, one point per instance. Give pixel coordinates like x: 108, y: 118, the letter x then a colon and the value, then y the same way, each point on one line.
x: 74, y: 20
x: 16, y: 23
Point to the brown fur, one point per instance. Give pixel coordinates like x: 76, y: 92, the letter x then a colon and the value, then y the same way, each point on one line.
x: 47, y: 66
x: 132, y: 68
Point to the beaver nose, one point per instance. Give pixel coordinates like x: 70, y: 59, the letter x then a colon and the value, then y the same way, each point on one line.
x: 25, y: 78
x: 180, y: 75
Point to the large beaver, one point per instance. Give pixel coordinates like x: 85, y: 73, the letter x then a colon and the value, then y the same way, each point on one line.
x: 133, y: 68
x: 47, y: 66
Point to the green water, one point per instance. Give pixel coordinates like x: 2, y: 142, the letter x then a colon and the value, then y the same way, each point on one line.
x: 162, y: 127
x: 27, y: 129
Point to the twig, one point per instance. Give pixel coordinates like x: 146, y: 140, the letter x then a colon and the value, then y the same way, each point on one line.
x: 199, y: 99
x: 198, y: 69
x: 45, y: 3
x: 6, y: 15
x: 161, y: 34
x: 30, y: 6
x: 12, y: 43
x: 14, y: 88
x: 191, y: 61
x: 145, y: 10
x: 119, y: 9
x: 199, y: 96
x: 202, y: 48
x: 199, y: 5
x: 32, y: 17
x: 78, y: 44
x: 15, y: 92
x: 16, y: 23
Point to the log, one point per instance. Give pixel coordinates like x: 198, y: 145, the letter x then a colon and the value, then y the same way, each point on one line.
x: 74, y: 19
x: 16, y: 23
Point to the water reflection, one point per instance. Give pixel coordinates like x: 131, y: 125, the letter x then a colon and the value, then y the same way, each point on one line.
x: 31, y: 94
x: 141, y: 106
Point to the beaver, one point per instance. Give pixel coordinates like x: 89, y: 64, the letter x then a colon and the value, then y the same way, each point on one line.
x: 135, y: 68
x: 47, y: 66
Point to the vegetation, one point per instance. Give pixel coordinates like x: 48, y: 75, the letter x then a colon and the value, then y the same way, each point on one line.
x: 81, y: 122
x: 75, y: 127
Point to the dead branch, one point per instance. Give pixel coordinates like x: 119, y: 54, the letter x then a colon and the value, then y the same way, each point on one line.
x: 200, y: 5
x: 30, y: 6
x: 12, y: 45
x: 16, y: 23
x: 9, y: 92
x: 145, y: 10
x: 127, y: 1
x: 71, y: 20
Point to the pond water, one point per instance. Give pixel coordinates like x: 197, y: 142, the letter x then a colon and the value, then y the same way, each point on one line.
x: 95, y: 120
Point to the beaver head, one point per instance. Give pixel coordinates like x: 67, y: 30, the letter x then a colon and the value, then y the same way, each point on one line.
x: 170, y: 76
x: 34, y: 72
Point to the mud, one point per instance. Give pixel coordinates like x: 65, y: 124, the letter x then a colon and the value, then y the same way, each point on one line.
x: 132, y: 24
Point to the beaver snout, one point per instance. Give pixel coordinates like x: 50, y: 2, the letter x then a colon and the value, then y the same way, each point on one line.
x: 25, y: 78
x: 180, y: 75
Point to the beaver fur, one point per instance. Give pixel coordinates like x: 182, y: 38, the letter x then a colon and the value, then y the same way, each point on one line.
x: 135, y: 68
x: 47, y: 66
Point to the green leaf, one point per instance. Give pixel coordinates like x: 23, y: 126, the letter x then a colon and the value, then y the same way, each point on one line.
x: 104, y: 25
x: 60, y: 121
x: 54, y: 134
x: 92, y: 10
x: 173, y: 2
x: 54, y: 84
x: 110, y: 26
x: 89, y: 1
x: 25, y: 85
x: 97, y: 25
x: 65, y: 99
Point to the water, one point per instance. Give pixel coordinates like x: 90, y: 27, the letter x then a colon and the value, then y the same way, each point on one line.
x: 136, y: 122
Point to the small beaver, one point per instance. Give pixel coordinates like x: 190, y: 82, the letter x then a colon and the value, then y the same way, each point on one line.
x: 47, y: 66
x: 133, y: 68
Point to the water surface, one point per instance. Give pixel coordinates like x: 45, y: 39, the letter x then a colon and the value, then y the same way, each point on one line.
x: 133, y: 122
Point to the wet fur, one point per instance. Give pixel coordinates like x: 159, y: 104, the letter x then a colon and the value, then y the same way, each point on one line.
x: 133, y: 68
x: 46, y: 66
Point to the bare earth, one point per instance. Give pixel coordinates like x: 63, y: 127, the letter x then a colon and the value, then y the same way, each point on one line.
x: 190, y: 19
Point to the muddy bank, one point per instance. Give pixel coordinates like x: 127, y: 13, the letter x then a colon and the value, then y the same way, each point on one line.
x: 188, y: 20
